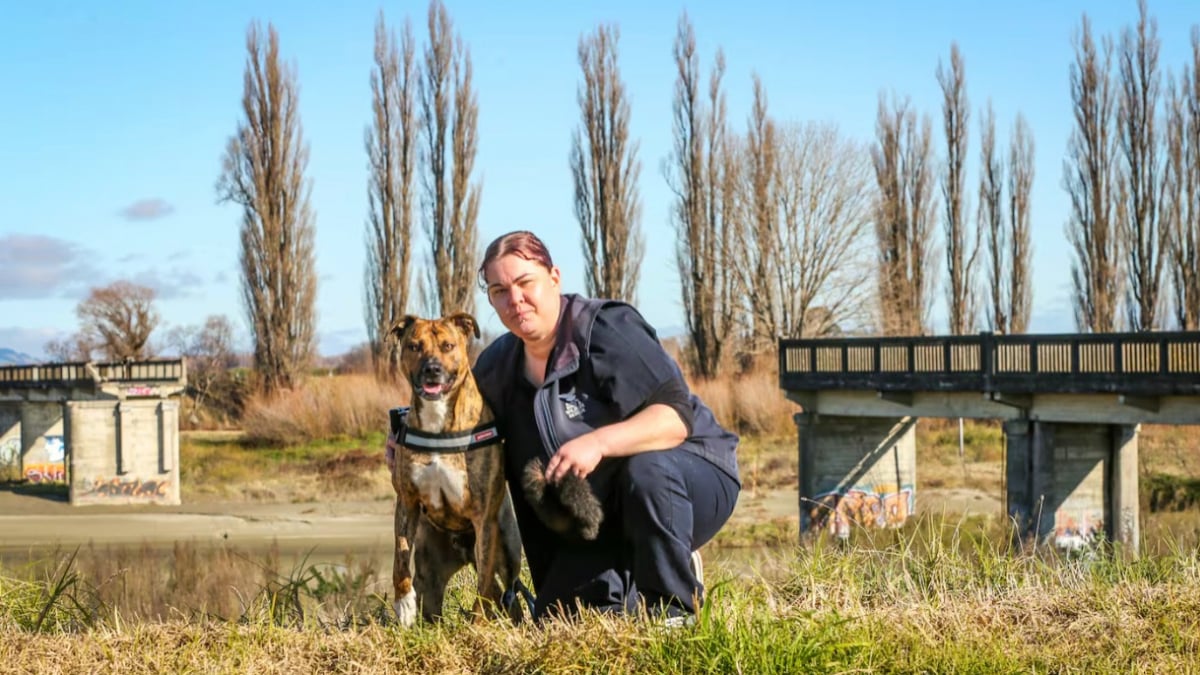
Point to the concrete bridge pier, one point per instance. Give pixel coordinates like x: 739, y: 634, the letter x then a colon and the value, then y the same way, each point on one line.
x: 855, y: 471
x: 124, y: 451
x: 1070, y: 483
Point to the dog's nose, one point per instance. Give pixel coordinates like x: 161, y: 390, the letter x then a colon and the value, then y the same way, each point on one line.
x: 432, y: 368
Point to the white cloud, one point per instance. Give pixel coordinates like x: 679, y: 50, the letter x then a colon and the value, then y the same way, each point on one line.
x: 147, y: 209
x: 35, y: 266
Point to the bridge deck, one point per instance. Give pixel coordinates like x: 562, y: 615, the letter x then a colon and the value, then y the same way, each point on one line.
x: 1142, y: 364
x: 169, y: 370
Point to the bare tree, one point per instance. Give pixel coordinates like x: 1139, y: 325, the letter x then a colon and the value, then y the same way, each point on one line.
x: 449, y: 124
x: 762, y: 218
x: 391, y: 143
x: 208, y: 350
x: 73, y: 347
x: 1181, y: 194
x: 1088, y: 178
x: 605, y: 170
x: 960, y: 254
x: 903, y: 212
x: 824, y: 203
x: 1019, y: 235
x: 990, y: 218
x: 698, y: 173
x: 264, y: 174
x: 118, y: 319
x: 1144, y: 238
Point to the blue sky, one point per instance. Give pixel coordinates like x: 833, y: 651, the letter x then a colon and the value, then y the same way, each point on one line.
x: 116, y: 116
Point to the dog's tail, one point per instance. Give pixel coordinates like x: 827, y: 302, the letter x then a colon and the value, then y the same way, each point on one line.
x: 569, y: 508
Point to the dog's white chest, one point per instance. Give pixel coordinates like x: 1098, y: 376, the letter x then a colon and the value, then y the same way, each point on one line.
x: 439, y: 486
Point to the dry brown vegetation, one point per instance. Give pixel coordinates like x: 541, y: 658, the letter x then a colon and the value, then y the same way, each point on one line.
x: 932, y: 598
x: 344, y: 406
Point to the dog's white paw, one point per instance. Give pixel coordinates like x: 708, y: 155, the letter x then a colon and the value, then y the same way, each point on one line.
x: 406, y: 608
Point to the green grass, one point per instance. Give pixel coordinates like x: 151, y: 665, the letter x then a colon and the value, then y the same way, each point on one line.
x: 222, y: 467
x: 937, y: 598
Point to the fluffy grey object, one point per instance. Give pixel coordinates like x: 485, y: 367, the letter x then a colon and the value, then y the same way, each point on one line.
x: 568, y: 507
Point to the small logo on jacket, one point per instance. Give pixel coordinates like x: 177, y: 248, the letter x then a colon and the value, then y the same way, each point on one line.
x: 572, y: 406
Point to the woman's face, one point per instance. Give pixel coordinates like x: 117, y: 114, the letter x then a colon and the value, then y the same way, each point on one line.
x: 525, y: 295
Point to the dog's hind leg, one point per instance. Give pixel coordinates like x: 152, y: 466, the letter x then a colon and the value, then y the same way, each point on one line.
x: 440, y: 558
x: 489, y: 565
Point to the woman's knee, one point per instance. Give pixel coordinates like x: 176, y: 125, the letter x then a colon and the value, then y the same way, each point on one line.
x: 651, y: 473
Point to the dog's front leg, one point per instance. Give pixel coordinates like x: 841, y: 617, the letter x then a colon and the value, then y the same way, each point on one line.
x: 405, y: 603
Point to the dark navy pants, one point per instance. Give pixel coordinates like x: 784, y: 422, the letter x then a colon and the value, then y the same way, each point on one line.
x: 659, y: 507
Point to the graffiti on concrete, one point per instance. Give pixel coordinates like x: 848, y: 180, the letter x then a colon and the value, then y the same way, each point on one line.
x: 873, y: 506
x: 56, y: 449
x: 115, y: 487
x: 10, y: 449
x: 49, y: 472
x: 1076, y: 530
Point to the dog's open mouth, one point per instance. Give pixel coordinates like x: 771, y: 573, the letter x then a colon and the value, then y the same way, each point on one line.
x: 432, y: 391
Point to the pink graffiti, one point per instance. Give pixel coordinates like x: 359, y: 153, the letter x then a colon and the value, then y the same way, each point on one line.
x: 46, y: 473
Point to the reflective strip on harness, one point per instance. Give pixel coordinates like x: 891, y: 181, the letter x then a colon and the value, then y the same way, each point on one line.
x: 461, y: 441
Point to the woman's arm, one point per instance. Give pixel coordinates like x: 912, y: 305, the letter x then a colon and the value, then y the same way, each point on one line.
x: 655, y: 427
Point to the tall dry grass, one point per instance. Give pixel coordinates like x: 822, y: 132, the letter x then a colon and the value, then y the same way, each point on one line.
x: 749, y: 403
x: 939, y: 598
x: 323, y: 408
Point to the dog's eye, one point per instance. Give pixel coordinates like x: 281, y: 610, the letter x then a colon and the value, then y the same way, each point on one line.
x: 413, y: 346
x: 447, y: 347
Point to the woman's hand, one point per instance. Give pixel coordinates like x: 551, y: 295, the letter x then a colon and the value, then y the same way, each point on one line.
x: 578, y: 456
x: 656, y: 427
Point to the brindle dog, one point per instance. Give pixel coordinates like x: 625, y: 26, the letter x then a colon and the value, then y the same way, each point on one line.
x: 453, y: 505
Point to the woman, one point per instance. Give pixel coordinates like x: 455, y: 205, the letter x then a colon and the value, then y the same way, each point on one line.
x: 585, y: 386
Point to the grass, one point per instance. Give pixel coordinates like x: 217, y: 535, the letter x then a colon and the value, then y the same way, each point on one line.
x: 941, y: 594
x: 224, y: 467
x: 934, y: 598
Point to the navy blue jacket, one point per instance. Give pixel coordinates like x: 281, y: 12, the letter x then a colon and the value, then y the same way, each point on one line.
x: 606, y: 366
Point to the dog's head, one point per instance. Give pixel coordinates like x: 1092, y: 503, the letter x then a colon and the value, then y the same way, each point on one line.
x: 434, y: 353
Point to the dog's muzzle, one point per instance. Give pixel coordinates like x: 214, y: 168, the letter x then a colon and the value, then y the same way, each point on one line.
x: 432, y: 380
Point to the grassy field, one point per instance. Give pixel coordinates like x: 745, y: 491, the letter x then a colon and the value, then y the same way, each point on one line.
x: 945, y: 593
x: 938, y: 597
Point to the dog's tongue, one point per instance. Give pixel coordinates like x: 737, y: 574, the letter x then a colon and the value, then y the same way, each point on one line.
x: 432, y: 389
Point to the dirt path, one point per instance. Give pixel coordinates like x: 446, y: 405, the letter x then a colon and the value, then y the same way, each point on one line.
x: 34, y: 522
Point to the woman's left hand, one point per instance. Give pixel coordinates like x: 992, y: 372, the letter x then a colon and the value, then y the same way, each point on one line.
x: 578, y: 456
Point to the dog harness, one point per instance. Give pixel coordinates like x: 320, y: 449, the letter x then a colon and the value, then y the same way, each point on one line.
x: 450, y: 443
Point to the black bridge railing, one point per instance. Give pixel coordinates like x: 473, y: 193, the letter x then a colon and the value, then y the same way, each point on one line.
x: 1150, y: 364
x: 169, y: 370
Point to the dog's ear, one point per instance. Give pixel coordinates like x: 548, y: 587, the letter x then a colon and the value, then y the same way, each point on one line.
x: 466, y: 323
x: 401, y: 327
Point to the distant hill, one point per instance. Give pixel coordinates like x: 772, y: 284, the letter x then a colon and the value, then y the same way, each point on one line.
x: 12, y: 357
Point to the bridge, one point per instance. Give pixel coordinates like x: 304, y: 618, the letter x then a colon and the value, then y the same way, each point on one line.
x: 1071, y: 406
x: 108, y: 430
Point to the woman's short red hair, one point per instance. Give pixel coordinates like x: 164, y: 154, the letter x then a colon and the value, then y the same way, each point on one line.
x: 521, y: 243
